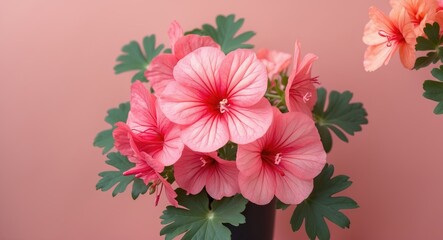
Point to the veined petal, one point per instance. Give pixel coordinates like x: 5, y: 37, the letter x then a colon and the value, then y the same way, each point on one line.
x: 291, y: 190
x: 189, y: 172
x: 371, y: 34
x: 121, y: 136
x: 169, y: 191
x: 246, y: 124
x: 260, y: 187
x: 160, y: 70
x: 381, y: 20
x: 199, y: 71
x: 407, y: 55
x: 141, y: 117
x: 172, y: 143
x: 223, y: 178
x: 377, y: 55
x: 248, y: 158
x: 192, y: 42
x: 181, y: 105
x: 243, y: 78
x: 207, y: 134
x: 175, y: 32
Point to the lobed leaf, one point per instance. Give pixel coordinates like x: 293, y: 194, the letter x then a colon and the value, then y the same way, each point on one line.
x: 339, y: 116
x: 320, y: 205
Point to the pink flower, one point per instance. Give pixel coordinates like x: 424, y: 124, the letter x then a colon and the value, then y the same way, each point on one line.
x: 159, y: 72
x: 217, y: 98
x: 386, y: 35
x: 194, y: 170
x: 275, y: 62
x: 283, y: 162
x: 148, y: 170
x: 149, y: 130
x: 300, y: 93
x: 420, y: 12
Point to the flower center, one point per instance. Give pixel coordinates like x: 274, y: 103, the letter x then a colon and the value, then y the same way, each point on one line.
x: 389, y: 37
x: 278, y: 158
x: 206, y: 160
x: 223, y: 105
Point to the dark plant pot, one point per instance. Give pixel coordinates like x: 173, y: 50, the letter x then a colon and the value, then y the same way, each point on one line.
x: 259, y: 223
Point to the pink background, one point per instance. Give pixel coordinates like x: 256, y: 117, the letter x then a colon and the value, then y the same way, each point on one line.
x: 57, y: 82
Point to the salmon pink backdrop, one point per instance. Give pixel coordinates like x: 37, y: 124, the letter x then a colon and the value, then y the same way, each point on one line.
x: 57, y: 81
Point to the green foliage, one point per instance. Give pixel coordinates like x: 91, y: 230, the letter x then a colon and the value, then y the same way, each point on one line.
x: 201, y: 220
x: 104, y: 138
x: 320, y: 205
x: 226, y: 33
x: 340, y: 115
x: 430, y: 42
x: 112, y: 178
x: 434, y: 89
x: 228, y: 152
x: 134, y: 59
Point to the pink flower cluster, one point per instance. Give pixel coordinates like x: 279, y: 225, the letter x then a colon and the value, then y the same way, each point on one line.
x: 204, y: 100
x: 384, y: 35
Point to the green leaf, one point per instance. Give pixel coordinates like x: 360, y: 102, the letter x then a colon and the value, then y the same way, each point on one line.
x: 228, y: 152
x: 339, y: 116
x: 423, y: 44
x: 226, y: 33
x: 433, y: 33
x: 438, y: 73
x: 134, y: 59
x: 421, y: 62
x: 320, y: 205
x: 104, y: 138
x: 434, y: 91
x: 201, y: 220
x: 116, y: 178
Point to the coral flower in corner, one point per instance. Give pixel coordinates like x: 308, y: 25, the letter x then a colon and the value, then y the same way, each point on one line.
x: 385, y: 35
x: 159, y: 72
x: 300, y: 93
x: 217, y: 98
x: 420, y: 12
x: 283, y: 162
x: 195, y: 170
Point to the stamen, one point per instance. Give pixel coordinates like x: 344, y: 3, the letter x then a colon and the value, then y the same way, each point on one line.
x: 224, y: 105
x: 387, y: 36
x: 278, y: 158
x: 203, y: 160
x: 307, y: 97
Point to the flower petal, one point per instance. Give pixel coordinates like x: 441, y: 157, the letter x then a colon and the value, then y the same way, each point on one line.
x: 377, y: 55
x: 189, y: 173
x: 243, y: 78
x: 159, y: 72
x: 248, y: 158
x: 141, y: 117
x: 207, y: 134
x: 260, y: 187
x: 292, y: 190
x: 190, y: 43
x: 121, y: 136
x: 222, y: 179
x: 246, y: 124
x: 169, y: 191
x: 175, y: 32
x: 181, y: 105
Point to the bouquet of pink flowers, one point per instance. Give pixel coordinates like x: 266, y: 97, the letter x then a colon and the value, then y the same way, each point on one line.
x: 225, y: 126
x: 411, y: 26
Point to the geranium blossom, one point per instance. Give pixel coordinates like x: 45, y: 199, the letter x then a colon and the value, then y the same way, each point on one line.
x: 159, y: 72
x: 195, y: 170
x: 420, y: 12
x: 148, y: 130
x: 283, y: 162
x: 275, y: 62
x: 300, y: 93
x: 217, y: 98
x: 386, y: 35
